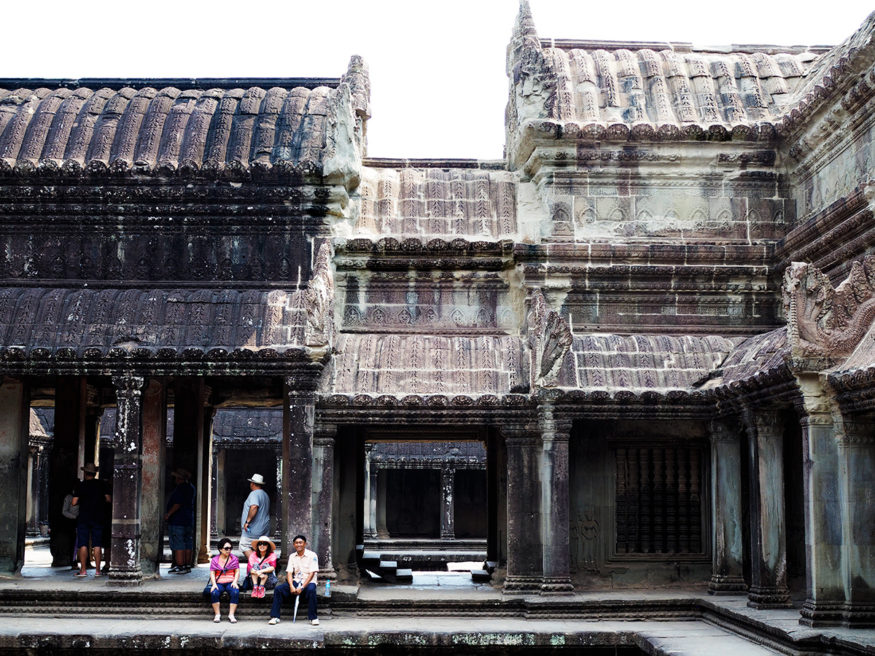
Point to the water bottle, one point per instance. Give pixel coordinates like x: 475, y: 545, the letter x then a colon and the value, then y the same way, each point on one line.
x: 327, y: 588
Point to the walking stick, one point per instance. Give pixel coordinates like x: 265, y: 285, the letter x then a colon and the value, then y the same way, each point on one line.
x: 295, y: 612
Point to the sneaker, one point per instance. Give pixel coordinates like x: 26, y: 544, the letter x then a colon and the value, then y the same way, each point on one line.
x: 184, y: 570
x: 314, y: 622
x: 261, y: 592
x: 274, y: 620
x: 254, y: 593
x: 174, y: 569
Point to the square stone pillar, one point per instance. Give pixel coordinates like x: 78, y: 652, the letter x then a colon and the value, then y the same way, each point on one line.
x: 63, y: 466
x: 524, y: 546
x: 299, y: 413
x: 825, y: 595
x: 768, y: 530
x: 14, y: 431
x: 205, y: 477
x: 727, y: 569
x: 124, y: 565
x: 153, y: 459
x: 448, y: 505
x: 221, y: 527
x: 555, y: 503
x: 857, y: 472
x: 323, y: 498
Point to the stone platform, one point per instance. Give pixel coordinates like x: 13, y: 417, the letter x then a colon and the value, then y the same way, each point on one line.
x: 49, y: 610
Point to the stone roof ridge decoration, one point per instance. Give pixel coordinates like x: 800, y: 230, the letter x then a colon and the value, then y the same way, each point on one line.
x: 644, y: 91
x: 235, y: 132
x: 826, y: 321
x: 841, y: 68
x: 548, y: 338
x: 319, y: 302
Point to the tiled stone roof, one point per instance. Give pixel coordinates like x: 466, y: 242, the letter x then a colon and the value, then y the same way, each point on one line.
x: 248, y: 424
x: 457, y: 202
x: 641, y: 363
x: 90, y: 322
x: 752, y: 357
x: 184, y: 127
x: 398, y: 365
x: 630, y: 84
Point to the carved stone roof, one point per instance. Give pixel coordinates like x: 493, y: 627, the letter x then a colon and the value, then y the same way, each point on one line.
x: 610, y: 91
x: 400, y: 365
x: 421, y: 454
x: 155, y: 127
x: 470, y: 203
x: 92, y: 323
x: 641, y: 363
x: 753, y: 357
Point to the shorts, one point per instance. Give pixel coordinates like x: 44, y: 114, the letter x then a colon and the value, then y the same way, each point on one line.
x: 92, y: 531
x: 181, y: 537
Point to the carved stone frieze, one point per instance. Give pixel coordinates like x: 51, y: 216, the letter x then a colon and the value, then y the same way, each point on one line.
x: 319, y: 301
x: 548, y: 338
x: 827, y: 321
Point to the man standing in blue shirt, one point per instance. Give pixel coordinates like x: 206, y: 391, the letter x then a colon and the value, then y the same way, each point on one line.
x: 180, y: 521
x: 255, y: 520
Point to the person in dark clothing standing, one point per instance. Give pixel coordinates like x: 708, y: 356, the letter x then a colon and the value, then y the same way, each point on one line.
x: 180, y: 521
x: 91, y: 497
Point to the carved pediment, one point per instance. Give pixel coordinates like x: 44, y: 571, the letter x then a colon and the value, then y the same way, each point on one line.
x: 319, y: 301
x: 824, y: 321
x: 548, y: 339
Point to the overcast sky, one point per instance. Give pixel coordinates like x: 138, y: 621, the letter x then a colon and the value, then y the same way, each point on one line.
x: 438, y: 85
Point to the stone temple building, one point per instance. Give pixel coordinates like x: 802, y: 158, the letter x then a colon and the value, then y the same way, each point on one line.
x: 654, y: 316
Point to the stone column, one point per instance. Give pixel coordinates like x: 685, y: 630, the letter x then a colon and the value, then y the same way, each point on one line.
x: 825, y: 595
x: 369, y: 520
x: 31, y: 496
x: 124, y: 566
x: 381, y: 495
x: 221, y: 492
x: 153, y: 462
x: 448, y: 505
x: 278, y: 522
x: 768, y: 532
x: 857, y: 473
x: 323, y: 498
x: 205, y: 472
x: 14, y: 430
x: 727, y: 570
x: 524, y: 546
x: 555, y: 502
x: 299, y: 412
x: 63, y: 467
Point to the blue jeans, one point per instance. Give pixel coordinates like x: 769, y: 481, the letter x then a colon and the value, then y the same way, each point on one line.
x: 234, y: 593
x: 283, y: 592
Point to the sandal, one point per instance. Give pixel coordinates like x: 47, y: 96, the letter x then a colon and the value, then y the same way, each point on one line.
x: 81, y: 575
x: 232, y: 619
x: 217, y: 619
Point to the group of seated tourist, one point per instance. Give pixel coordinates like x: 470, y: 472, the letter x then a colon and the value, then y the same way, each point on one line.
x: 302, y: 572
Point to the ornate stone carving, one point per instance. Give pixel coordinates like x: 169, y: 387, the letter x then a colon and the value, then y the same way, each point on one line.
x: 548, y: 339
x: 319, y: 302
x: 824, y: 321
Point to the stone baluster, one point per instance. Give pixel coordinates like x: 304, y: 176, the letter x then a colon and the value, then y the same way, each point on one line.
x: 14, y: 429
x: 768, y: 532
x: 124, y: 569
x: 369, y: 516
x: 524, y: 546
x: 727, y: 572
x: 555, y: 508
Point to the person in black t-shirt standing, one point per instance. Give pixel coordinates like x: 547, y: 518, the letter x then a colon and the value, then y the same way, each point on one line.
x: 91, y: 497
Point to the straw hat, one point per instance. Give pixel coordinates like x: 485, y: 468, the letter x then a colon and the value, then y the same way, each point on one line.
x: 258, y: 479
x: 181, y: 474
x: 263, y: 538
x: 90, y: 468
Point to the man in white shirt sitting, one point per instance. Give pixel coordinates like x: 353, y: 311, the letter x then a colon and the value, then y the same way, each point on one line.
x: 301, y: 573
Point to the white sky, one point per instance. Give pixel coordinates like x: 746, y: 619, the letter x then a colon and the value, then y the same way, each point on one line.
x: 438, y: 85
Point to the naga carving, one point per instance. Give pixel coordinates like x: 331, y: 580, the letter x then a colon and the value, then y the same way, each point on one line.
x: 319, y: 301
x: 824, y: 321
x: 549, y: 339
